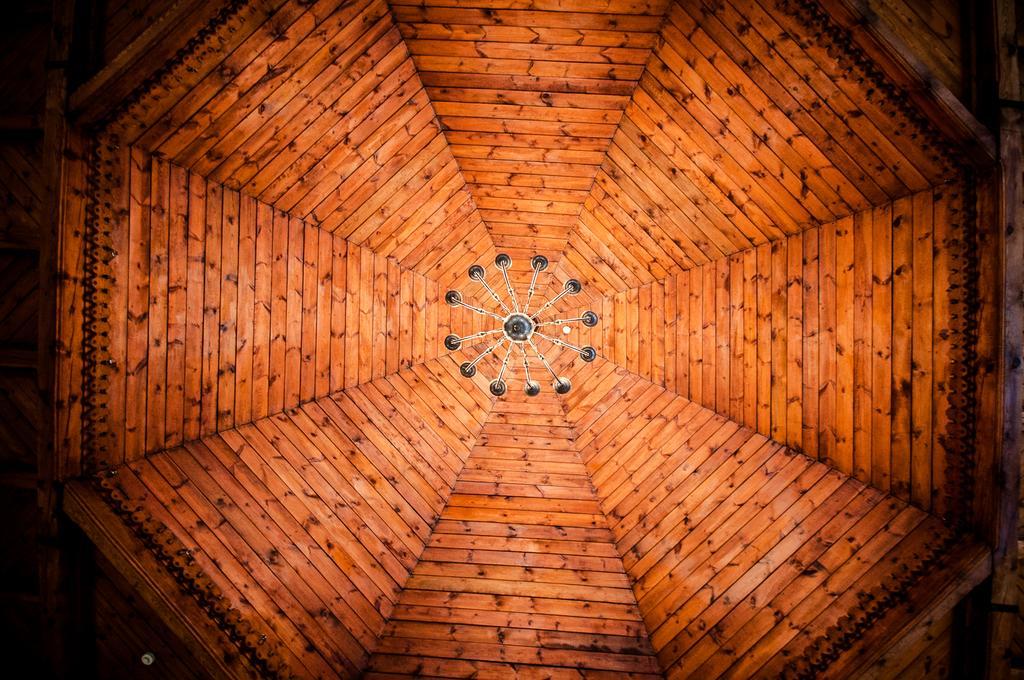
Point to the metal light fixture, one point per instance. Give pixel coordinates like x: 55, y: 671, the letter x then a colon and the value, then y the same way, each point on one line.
x: 519, y: 327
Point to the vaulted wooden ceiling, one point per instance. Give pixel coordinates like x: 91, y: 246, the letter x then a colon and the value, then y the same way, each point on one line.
x: 769, y: 234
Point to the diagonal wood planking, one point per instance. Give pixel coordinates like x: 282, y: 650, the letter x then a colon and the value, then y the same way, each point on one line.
x: 834, y: 341
x: 318, y: 111
x: 529, y: 96
x: 233, y: 310
x: 742, y: 130
x: 310, y: 521
x: 520, y: 576
x: 522, y: 127
x: 740, y: 550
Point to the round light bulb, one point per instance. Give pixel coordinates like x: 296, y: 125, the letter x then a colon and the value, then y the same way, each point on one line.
x: 566, y: 330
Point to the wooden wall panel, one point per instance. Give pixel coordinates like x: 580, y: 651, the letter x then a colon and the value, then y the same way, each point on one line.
x: 19, y: 400
x: 233, y: 311
x: 124, y: 20
x: 832, y: 341
x: 19, y: 308
x: 521, y: 575
x: 933, y: 31
x: 741, y: 551
x: 311, y: 520
x: 21, y: 192
x: 931, y: 657
x: 529, y: 96
x: 126, y: 628
x: 742, y: 130
x: 321, y: 114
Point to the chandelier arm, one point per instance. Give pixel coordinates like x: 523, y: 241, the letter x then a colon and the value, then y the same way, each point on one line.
x: 533, y: 287
x: 559, y: 342
x: 504, y: 363
x: 558, y: 322
x: 526, y: 362
x: 544, y: 360
x: 551, y: 302
x: 494, y: 295
x: 478, y: 310
x: 511, y: 291
x: 490, y: 350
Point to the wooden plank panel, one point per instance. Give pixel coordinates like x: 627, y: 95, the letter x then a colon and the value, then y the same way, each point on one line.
x: 324, y: 563
x: 718, y: 528
x: 498, y: 585
x: 812, y: 341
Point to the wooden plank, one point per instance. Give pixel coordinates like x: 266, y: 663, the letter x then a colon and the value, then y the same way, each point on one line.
x: 157, y: 360
x: 901, y: 346
x: 881, y: 348
x: 227, y: 304
x: 137, y: 308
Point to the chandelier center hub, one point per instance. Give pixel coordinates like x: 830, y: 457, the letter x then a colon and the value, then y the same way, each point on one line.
x: 518, y: 327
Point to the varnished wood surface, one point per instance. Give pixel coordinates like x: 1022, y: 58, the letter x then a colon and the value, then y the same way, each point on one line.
x: 520, y: 577
x: 228, y: 310
x: 738, y: 133
x: 310, y: 521
x: 740, y: 550
x: 21, y: 192
x: 529, y: 96
x: 288, y: 202
x: 126, y: 628
x: 833, y: 341
x: 320, y: 112
x: 933, y: 31
x: 124, y: 20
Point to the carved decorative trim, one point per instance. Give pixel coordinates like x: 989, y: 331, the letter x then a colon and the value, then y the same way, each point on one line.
x: 105, y: 173
x: 959, y: 436
x: 962, y: 414
x: 99, y: 252
x: 264, y: 654
x: 957, y: 440
x: 101, y: 216
x: 871, y: 607
x: 146, y: 96
x: 839, y: 43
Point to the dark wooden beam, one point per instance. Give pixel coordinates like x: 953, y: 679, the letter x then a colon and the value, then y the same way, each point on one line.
x: 57, y: 558
x: 18, y: 357
x: 96, y: 97
x: 18, y: 479
x: 153, y: 583
x: 1009, y: 296
x: 898, y: 62
x: 30, y: 124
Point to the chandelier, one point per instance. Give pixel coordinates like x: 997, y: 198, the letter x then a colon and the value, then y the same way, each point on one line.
x: 518, y: 327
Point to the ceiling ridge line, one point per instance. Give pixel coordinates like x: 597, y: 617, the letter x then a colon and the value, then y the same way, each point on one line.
x: 618, y: 126
x: 930, y: 512
x: 475, y: 210
x: 861, y: 616
x: 306, y: 222
x: 433, y: 525
x: 675, y: 271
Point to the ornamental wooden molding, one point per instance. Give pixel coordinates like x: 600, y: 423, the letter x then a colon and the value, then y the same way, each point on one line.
x: 261, y: 648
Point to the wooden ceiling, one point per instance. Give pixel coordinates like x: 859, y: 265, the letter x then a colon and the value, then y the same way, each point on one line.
x: 319, y: 112
x: 529, y: 95
x: 740, y: 131
x: 280, y: 210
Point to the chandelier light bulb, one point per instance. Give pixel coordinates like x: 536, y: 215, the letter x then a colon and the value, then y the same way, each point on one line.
x: 518, y: 327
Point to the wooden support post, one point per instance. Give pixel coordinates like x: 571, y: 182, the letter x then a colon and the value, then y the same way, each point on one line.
x: 56, y: 569
x: 1010, y: 299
